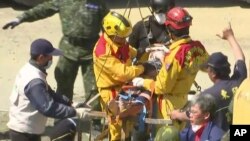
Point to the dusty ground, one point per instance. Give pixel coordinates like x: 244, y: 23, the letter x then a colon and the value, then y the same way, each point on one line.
x: 210, y: 17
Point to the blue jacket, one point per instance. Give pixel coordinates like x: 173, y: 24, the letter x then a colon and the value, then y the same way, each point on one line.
x: 210, y: 133
x: 46, y: 101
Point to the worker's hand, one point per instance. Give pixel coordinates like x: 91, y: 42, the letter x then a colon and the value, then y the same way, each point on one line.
x: 82, y: 112
x: 178, y: 115
x: 138, y: 81
x: 226, y: 33
x: 78, y: 104
x: 174, y: 115
x: 12, y: 24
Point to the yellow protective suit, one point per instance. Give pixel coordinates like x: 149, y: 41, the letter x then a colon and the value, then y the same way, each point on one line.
x: 241, y: 112
x: 113, y: 68
x: 177, y: 75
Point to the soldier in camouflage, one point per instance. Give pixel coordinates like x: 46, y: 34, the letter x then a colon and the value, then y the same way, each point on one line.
x: 81, y: 23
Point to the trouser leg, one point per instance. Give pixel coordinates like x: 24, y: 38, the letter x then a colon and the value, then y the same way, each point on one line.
x: 65, y: 75
x: 88, y: 77
x: 115, y: 126
x: 17, y: 136
x: 91, y: 89
x: 64, y: 130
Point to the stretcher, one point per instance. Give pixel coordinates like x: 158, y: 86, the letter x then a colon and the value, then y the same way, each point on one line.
x: 104, y: 133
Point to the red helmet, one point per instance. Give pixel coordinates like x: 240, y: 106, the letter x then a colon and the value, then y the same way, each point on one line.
x: 178, y: 18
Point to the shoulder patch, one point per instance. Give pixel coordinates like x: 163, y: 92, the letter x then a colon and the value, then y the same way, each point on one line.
x: 224, y: 94
x: 180, y: 56
x: 191, y: 53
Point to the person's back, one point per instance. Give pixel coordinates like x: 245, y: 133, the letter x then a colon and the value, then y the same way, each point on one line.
x: 224, y: 92
x: 180, y: 65
x: 225, y: 86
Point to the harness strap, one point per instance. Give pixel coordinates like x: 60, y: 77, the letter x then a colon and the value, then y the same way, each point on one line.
x: 113, y: 93
x: 150, y: 112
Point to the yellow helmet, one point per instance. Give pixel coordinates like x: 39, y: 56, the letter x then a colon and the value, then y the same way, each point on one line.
x: 117, y: 25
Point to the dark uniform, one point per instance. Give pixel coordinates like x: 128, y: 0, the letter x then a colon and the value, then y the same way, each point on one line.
x: 146, y: 33
x: 81, y: 24
x: 223, y: 92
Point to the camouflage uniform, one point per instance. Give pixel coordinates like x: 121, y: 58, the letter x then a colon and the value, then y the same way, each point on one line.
x: 81, y: 24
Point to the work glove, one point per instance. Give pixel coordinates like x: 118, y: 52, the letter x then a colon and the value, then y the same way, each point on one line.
x: 82, y: 112
x: 12, y: 24
x: 138, y: 81
x: 134, y: 61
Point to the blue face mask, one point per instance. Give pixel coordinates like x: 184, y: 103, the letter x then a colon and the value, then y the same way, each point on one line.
x: 160, y: 18
x: 48, y: 64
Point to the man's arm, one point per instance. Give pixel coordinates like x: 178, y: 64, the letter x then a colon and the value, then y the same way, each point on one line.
x: 240, y: 70
x: 228, y: 34
x: 165, y: 80
x: 117, y: 70
x: 40, y: 11
x: 179, y: 115
x: 42, y: 100
x: 59, y: 97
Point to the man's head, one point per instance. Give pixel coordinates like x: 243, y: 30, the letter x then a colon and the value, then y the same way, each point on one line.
x: 160, y: 7
x: 178, y: 21
x: 117, y: 27
x: 41, y: 50
x: 202, y: 110
x: 217, y: 66
x: 151, y: 68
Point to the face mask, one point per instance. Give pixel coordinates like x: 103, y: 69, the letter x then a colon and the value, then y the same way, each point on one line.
x: 160, y: 18
x: 48, y: 64
x: 196, y: 127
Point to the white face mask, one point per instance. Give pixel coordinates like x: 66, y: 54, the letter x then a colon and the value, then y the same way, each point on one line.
x: 195, y: 128
x: 160, y: 18
x: 48, y: 64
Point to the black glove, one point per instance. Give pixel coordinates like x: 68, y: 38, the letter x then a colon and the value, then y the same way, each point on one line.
x: 12, y: 24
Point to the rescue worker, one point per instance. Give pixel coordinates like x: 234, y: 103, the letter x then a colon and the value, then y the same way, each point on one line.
x: 81, y: 24
x: 113, y: 63
x: 32, y: 100
x: 151, y: 29
x: 180, y: 65
x: 225, y: 86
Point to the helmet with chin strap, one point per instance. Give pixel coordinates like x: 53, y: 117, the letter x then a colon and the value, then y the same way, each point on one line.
x: 161, y: 6
x: 115, y: 24
x: 178, y: 18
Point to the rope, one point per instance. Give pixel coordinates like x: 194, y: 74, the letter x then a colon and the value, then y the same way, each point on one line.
x: 64, y: 135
